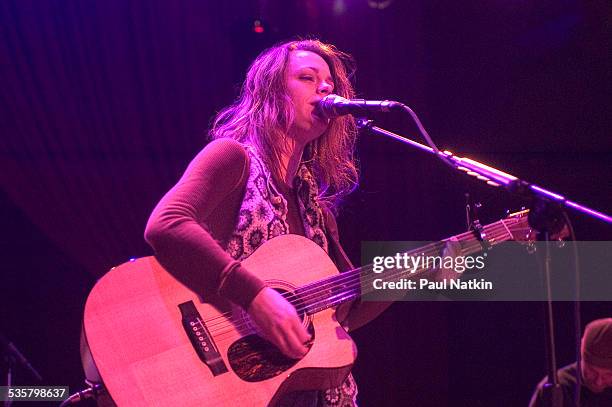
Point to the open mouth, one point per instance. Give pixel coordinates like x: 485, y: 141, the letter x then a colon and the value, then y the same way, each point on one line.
x: 322, y: 120
x: 318, y: 114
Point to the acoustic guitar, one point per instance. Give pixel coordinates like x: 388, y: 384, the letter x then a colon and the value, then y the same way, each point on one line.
x: 156, y: 343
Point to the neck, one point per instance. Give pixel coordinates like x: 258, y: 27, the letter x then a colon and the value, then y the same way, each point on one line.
x: 347, y: 286
x: 290, y: 160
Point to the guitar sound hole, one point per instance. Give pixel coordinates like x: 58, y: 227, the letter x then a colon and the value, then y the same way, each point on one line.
x: 255, y: 359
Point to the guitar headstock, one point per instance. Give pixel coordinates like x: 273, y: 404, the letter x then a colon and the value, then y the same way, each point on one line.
x: 517, y: 224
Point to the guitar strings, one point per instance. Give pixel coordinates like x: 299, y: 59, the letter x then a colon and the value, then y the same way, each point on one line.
x: 323, y: 304
x: 223, y: 336
x: 318, y: 289
x: 467, y: 237
x: 306, y: 291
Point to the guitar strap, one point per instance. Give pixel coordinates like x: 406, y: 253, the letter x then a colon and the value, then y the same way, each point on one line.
x: 336, y: 251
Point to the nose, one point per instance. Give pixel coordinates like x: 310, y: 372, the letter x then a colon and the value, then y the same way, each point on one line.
x: 325, y: 88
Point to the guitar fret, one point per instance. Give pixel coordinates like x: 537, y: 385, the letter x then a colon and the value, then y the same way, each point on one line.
x: 347, y: 286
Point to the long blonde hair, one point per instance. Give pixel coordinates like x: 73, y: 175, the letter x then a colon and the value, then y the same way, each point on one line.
x: 263, y: 114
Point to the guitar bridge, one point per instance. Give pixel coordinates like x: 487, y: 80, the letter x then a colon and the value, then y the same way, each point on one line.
x: 201, y: 339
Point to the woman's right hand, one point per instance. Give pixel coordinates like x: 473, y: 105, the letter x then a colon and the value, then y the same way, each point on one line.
x: 279, y: 323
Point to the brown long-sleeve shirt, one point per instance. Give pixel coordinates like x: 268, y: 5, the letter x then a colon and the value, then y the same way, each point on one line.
x: 192, y: 222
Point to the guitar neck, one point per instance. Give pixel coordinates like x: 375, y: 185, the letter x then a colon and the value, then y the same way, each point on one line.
x: 350, y: 285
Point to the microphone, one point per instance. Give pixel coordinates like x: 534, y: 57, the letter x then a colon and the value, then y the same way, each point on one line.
x: 92, y: 392
x: 333, y: 106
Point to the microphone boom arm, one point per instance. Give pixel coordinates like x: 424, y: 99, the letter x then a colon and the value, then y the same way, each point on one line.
x: 492, y: 176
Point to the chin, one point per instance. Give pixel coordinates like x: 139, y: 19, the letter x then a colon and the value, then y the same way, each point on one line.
x: 319, y: 128
x: 596, y: 389
x: 314, y: 132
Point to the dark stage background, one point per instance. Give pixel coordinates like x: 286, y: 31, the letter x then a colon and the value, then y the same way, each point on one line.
x: 103, y: 104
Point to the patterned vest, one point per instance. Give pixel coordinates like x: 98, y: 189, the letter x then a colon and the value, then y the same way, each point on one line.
x: 263, y: 213
x: 263, y: 216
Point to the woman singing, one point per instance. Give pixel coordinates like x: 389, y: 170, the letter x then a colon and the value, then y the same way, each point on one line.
x: 275, y: 167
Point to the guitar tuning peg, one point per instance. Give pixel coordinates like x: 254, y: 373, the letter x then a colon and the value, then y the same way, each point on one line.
x: 530, y: 237
x: 531, y: 247
x: 507, y: 212
x: 560, y: 243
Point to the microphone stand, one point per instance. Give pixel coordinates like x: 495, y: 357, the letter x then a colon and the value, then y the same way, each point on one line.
x: 545, y: 215
x: 10, y: 365
x: 12, y: 355
x: 552, y: 394
x: 496, y: 178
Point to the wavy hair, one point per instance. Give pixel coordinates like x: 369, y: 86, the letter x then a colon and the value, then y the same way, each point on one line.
x: 263, y: 114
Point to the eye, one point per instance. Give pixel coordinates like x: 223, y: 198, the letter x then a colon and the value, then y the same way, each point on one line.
x: 307, y: 78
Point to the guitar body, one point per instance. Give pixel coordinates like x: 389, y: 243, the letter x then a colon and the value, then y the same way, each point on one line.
x: 134, y: 329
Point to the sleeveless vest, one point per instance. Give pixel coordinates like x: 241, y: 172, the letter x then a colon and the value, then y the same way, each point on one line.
x: 263, y: 212
x: 263, y: 216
